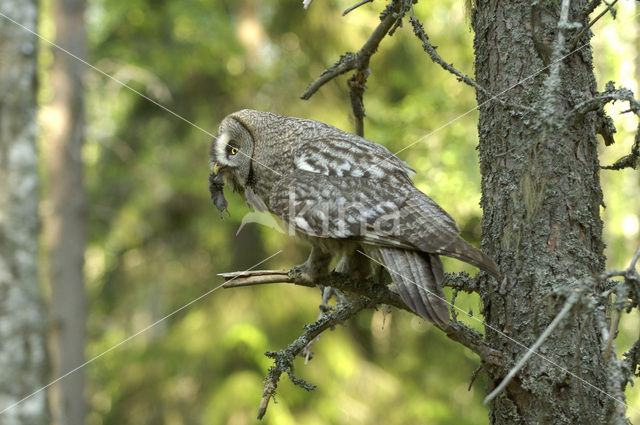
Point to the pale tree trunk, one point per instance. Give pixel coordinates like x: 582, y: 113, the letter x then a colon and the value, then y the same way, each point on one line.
x: 64, y: 217
x: 541, y: 201
x: 23, y: 357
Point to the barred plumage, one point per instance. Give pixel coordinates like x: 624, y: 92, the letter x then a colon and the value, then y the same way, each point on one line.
x: 344, y: 193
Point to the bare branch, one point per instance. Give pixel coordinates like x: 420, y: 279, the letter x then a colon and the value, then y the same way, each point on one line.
x: 355, y: 6
x: 430, y: 49
x: 360, y: 62
x: 612, y: 333
x: 346, y: 63
x: 578, y: 36
x: 596, y: 103
x: 556, y: 321
x: 588, y: 10
x: 283, y: 359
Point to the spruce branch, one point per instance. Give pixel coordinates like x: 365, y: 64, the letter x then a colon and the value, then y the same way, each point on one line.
x: 390, y: 18
x: 431, y: 50
x: 377, y: 293
x: 597, y: 103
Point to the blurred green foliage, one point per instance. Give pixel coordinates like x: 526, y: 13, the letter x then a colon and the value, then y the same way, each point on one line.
x: 156, y: 242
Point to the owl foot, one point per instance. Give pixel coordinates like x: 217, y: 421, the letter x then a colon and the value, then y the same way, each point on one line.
x: 317, y: 265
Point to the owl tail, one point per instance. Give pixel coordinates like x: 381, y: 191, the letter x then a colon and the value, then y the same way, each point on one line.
x: 463, y: 251
x: 418, y: 277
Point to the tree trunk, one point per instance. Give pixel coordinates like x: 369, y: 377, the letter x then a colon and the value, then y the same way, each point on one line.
x: 64, y: 219
x: 541, y: 201
x: 22, y: 316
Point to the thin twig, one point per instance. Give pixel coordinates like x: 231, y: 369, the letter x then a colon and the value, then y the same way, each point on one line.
x: 556, y: 321
x: 474, y: 375
x: 344, y: 64
x: 553, y: 82
x: 626, y: 272
x: 358, y: 81
x: 634, y: 260
x: 612, y: 332
x: 355, y: 6
x: 419, y: 32
x: 349, y: 60
x: 576, y: 39
x: 283, y: 359
x: 430, y: 49
x: 359, y: 62
x: 588, y: 10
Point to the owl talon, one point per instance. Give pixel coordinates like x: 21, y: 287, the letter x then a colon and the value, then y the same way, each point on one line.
x: 302, y: 274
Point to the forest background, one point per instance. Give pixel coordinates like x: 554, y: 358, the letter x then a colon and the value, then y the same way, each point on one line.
x: 155, y: 242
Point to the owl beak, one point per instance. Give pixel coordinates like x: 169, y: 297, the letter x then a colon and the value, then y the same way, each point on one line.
x: 216, y: 168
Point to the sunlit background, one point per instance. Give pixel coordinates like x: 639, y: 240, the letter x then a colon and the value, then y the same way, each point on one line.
x: 156, y: 242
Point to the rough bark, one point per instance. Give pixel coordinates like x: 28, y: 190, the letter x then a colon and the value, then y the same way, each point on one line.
x: 541, y: 223
x: 22, y: 316
x: 64, y: 218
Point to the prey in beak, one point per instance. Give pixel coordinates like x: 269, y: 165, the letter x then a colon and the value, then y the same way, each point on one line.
x: 216, y: 184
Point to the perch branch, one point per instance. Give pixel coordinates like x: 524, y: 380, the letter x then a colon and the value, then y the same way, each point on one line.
x: 377, y: 293
x: 530, y: 351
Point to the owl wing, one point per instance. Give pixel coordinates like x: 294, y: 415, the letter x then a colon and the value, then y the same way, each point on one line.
x: 356, y: 208
x: 380, y: 216
x: 342, y: 154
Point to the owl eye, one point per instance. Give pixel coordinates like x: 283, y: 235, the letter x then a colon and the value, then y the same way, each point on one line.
x: 232, y: 150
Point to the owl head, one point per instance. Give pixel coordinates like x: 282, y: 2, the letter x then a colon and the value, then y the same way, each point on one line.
x: 231, y: 153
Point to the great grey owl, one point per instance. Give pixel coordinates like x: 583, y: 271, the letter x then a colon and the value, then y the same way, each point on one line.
x: 347, y: 196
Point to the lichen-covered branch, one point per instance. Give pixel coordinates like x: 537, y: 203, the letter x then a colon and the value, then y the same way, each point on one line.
x: 588, y: 11
x: 430, y: 49
x: 378, y: 293
x: 350, y: 60
x: 283, y: 359
x: 596, y: 103
x: 344, y: 64
x: 359, y: 62
x: 364, y: 293
x: 553, y: 84
x: 627, y: 297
